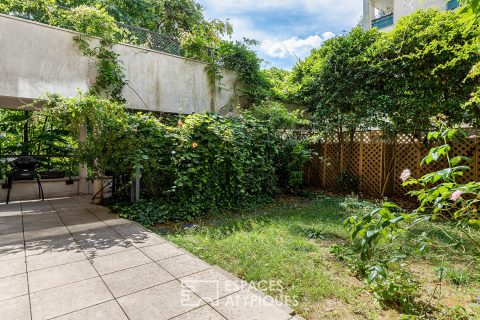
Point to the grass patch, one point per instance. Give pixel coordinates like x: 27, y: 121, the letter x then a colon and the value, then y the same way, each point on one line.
x: 289, y: 241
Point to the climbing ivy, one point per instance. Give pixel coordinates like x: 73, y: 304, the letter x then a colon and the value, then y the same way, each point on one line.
x: 196, y: 166
x: 110, y: 78
x: 90, y: 21
x: 97, y: 22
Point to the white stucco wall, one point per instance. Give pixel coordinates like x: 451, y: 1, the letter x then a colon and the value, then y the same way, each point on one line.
x: 400, y: 8
x: 35, y: 58
x: 405, y: 7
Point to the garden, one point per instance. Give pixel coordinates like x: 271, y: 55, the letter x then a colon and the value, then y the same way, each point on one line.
x: 231, y: 186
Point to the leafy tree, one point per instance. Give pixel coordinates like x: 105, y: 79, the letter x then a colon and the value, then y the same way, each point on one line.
x: 282, y: 84
x: 334, y: 82
x: 420, y: 71
x: 394, y: 81
x: 171, y: 17
x: 471, y: 18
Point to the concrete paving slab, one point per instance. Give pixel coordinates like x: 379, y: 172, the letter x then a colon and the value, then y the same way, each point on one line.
x: 102, y: 242
x: 202, y: 313
x: 119, y: 261
x: 10, y: 224
x: 162, y: 251
x: 247, y: 305
x: 60, y: 275
x: 137, y: 235
x: 135, y: 279
x: 160, y: 303
x: 61, y: 242
x: 16, y: 309
x: 13, y: 286
x: 184, y: 265
x: 211, y: 285
x: 47, y: 233
x: 85, y: 263
x: 55, y: 257
x: 12, y: 267
x: 11, y: 248
x: 68, y: 298
x: 104, y: 311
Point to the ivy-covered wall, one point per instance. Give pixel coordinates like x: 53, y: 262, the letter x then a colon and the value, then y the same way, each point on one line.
x: 48, y: 60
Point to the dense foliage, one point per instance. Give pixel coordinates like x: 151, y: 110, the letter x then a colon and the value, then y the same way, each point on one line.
x: 21, y: 132
x: 198, y: 166
x: 395, y: 80
x: 334, y: 81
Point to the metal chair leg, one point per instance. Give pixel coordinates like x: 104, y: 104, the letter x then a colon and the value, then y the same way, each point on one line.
x: 10, y: 185
x: 40, y: 189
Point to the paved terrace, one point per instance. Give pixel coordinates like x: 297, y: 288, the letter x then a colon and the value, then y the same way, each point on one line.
x: 68, y: 259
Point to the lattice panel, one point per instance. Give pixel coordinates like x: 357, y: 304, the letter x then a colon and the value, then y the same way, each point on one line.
x: 352, y: 155
x: 353, y: 158
x: 389, y: 166
x: 466, y: 147
x: 372, y: 163
x: 371, y: 158
x: 314, y: 169
x: 332, y: 163
x: 407, y: 157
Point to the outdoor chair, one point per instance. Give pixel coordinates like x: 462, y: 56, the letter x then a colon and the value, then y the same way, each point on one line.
x: 24, y: 168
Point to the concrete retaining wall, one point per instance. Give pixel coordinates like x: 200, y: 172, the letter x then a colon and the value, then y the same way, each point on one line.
x: 52, y: 188
x: 37, y: 58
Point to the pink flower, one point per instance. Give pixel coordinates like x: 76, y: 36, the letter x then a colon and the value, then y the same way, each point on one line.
x: 406, y: 174
x: 456, y: 195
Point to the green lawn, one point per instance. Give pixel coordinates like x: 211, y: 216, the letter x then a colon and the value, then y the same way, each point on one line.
x: 290, y: 241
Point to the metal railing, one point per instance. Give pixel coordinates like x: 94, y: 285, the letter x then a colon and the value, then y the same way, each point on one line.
x: 383, y: 22
x: 134, y: 35
x: 453, y: 4
x: 151, y: 40
x: 51, y: 166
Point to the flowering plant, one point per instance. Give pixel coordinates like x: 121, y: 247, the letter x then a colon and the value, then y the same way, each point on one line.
x: 441, y: 195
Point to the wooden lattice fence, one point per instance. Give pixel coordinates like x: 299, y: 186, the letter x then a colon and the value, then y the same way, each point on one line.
x: 379, y: 161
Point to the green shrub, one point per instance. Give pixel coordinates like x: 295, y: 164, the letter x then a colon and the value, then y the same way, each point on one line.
x: 198, y: 166
x: 145, y: 212
x: 348, y: 182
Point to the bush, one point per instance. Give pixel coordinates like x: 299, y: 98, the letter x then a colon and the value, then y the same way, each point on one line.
x: 145, y: 212
x: 199, y: 165
x: 348, y: 182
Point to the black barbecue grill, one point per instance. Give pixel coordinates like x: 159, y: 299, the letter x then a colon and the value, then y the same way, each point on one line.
x: 24, y: 168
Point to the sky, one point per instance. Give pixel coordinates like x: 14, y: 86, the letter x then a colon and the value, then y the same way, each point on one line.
x: 287, y: 29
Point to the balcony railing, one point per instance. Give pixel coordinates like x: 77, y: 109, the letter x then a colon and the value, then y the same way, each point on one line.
x: 383, y: 22
x: 453, y: 4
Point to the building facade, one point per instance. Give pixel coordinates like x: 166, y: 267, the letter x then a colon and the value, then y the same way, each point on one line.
x: 384, y: 14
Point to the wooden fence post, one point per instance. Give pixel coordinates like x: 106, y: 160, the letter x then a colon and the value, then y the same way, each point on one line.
x: 324, y: 169
x: 360, y: 160
x: 419, y: 159
x: 382, y: 164
x: 475, y: 158
x: 342, y: 155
